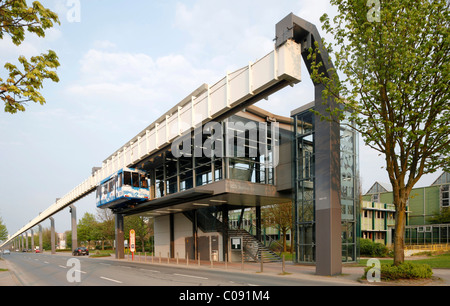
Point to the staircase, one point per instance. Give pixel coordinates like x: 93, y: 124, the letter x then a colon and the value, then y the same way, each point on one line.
x: 208, y: 221
x: 253, y: 248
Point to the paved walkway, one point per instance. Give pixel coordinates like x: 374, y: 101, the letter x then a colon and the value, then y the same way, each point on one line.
x: 7, y: 278
x: 351, y: 274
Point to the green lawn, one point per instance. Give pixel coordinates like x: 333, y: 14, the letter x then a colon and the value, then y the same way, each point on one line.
x: 435, y: 261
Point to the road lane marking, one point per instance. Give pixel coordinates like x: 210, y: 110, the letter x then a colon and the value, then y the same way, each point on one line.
x: 147, y: 270
x: 111, y: 280
x: 63, y: 267
x: 190, y: 276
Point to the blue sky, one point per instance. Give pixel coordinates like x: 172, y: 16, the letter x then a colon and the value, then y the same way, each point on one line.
x: 123, y: 64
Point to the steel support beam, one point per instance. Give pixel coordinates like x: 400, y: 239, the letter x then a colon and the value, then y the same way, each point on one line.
x: 326, y: 146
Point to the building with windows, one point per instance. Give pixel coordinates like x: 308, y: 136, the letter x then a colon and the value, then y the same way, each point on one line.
x: 424, y: 203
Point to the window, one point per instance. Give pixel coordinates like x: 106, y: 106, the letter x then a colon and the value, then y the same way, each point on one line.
x: 445, y: 196
x: 375, y: 197
x: 127, y: 178
x: 159, y: 181
x: 120, y: 180
x: 144, y: 182
x: 135, y: 177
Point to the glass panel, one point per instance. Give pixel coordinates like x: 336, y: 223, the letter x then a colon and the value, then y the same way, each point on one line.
x: 127, y: 178
x: 159, y: 181
x: 135, y: 178
x: 144, y: 181
x: 304, y: 187
x: 203, y: 171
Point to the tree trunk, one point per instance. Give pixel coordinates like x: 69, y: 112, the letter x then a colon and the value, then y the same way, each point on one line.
x: 399, y: 237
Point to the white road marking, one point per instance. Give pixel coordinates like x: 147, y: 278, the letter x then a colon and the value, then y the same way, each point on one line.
x: 189, y: 276
x: 147, y: 270
x: 110, y: 279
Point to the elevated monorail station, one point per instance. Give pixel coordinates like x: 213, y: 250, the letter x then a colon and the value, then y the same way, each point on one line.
x: 215, y: 152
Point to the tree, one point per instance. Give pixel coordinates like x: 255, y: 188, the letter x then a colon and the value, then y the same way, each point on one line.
x: 106, y: 229
x: 395, y: 91
x: 279, y: 216
x: 21, y: 86
x: 441, y: 217
x: 140, y: 225
x: 3, y: 231
x: 87, y: 228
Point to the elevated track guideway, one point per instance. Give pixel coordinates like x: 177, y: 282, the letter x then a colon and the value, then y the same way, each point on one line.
x: 235, y: 91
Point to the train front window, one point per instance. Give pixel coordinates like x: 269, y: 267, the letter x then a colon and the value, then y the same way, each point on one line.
x: 135, y: 179
x: 127, y: 178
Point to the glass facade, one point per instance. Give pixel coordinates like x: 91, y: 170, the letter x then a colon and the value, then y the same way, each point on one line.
x: 349, y: 192
x: 244, y: 151
x: 304, y: 189
x: 304, y: 208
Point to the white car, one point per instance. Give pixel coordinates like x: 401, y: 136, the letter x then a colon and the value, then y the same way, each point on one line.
x: 6, y: 252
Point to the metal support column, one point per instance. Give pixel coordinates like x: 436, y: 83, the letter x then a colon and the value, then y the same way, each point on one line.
x: 119, y: 231
x: 73, y: 212
x: 32, y: 240
x: 225, y: 230
x: 52, y: 237
x: 326, y: 146
x: 258, y: 223
x: 172, y: 236
x: 40, y: 238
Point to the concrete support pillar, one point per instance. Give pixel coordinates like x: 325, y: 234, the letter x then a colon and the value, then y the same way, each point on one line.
x: 52, y: 237
x: 172, y: 236
x: 119, y: 231
x: 40, y: 238
x: 225, y: 230
x: 73, y: 212
x: 26, y: 241
x: 258, y: 222
x: 32, y: 240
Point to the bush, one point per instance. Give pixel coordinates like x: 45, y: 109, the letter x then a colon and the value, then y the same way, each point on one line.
x: 406, y: 270
x: 372, y: 249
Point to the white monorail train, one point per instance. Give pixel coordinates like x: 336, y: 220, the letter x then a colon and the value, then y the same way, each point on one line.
x: 126, y: 186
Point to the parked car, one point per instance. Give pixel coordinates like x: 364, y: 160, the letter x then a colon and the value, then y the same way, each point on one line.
x: 6, y: 252
x: 80, y: 251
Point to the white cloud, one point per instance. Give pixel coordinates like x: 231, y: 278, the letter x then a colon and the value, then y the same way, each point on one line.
x: 135, y: 84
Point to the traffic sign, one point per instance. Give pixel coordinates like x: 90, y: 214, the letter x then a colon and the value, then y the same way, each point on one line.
x: 132, y: 241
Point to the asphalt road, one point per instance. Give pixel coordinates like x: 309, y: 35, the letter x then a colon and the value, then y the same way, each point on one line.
x: 58, y: 270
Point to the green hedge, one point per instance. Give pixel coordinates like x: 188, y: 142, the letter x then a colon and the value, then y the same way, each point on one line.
x: 372, y: 249
x: 406, y: 270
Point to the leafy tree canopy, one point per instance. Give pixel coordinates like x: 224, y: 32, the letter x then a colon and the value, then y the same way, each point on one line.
x: 22, y: 84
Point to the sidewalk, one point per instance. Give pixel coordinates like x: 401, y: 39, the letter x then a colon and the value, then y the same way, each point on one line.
x: 7, y: 278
